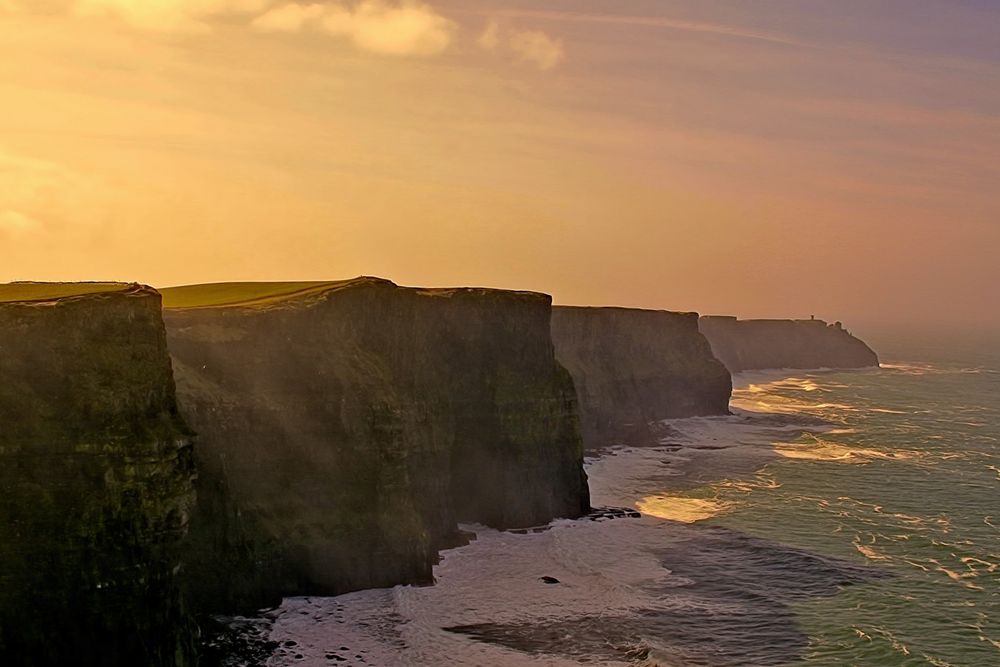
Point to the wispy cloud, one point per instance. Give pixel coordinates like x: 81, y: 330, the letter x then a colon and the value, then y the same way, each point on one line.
x: 536, y: 47
x: 530, y: 46
x: 649, y: 22
x: 168, y: 15
x: 411, y: 28
x: 390, y: 27
x: 33, y: 190
x: 15, y: 222
x: 490, y: 37
x: 292, y: 17
x: 408, y: 28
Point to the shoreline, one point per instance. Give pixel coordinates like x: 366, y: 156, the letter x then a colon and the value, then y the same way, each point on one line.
x: 490, y: 597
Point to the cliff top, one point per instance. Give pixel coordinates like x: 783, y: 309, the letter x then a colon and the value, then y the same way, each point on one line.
x: 760, y: 320
x: 21, y: 292
x: 248, y: 294
x: 267, y: 294
x: 624, y: 309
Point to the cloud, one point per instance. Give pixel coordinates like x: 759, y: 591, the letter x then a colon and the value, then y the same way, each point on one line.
x: 388, y: 27
x: 529, y: 46
x: 15, y: 222
x: 651, y: 22
x: 292, y: 17
x: 411, y: 28
x: 168, y: 15
x: 536, y: 47
x: 398, y: 29
x: 490, y: 38
x: 35, y: 192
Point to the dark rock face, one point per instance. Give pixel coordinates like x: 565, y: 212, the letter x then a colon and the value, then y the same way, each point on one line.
x: 756, y: 344
x: 343, y: 432
x: 96, y: 472
x: 633, y: 368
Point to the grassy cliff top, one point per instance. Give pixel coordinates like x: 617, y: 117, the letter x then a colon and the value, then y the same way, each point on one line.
x: 625, y: 310
x: 32, y: 291
x: 267, y: 294
x: 248, y: 294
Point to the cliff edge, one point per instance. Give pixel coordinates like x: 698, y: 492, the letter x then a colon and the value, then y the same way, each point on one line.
x: 96, y: 472
x: 757, y: 344
x: 633, y: 368
x: 345, y: 427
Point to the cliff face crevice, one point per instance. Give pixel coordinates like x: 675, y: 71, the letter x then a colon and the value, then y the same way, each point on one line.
x: 96, y: 469
x: 758, y: 344
x: 344, y: 430
x: 633, y: 368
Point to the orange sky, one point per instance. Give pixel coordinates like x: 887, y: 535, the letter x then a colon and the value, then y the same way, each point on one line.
x: 775, y: 158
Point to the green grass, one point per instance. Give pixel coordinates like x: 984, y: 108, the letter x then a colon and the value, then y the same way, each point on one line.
x: 252, y: 294
x: 30, y: 291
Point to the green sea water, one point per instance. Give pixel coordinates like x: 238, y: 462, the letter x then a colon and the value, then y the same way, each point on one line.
x: 907, y: 481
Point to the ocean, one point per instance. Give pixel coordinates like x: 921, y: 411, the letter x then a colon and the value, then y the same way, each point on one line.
x: 836, y: 518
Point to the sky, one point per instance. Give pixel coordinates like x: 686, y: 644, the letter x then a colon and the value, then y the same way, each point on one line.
x: 775, y: 158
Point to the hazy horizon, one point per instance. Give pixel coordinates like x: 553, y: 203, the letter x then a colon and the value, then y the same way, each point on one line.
x: 779, y: 159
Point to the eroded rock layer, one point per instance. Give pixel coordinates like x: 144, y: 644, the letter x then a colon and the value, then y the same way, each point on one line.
x: 633, y: 368
x: 96, y: 472
x: 344, y: 428
x: 757, y: 344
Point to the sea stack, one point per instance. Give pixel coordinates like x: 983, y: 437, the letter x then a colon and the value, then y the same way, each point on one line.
x: 744, y: 345
x: 345, y: 427
x: 633, y: 368
x: 96, y: 471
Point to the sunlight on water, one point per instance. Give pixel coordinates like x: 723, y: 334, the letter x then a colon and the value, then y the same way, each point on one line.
x: 819, y: 449
x: 822, y: 452
x: 680, y: 508
x: 783, y: 396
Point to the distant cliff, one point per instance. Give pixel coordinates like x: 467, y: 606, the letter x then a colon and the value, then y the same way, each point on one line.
x: 96, y: 478
x: 755, y: 344
x: 345, y: 427
x: 633, y: 368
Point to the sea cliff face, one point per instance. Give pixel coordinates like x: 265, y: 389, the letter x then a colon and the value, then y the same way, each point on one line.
x: 344, y: 429
x: 756, y: 344
x: 633, y: 368
x: 96, y: 472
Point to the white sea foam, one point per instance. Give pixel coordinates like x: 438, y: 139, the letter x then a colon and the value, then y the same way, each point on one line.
x: 605, y: 568
x: 496, y: 579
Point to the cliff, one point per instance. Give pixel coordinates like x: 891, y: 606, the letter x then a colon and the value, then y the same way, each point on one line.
x: 633, y: 368
x: 755, y: 344
x: 96, y: 472
x: 344, y: 428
